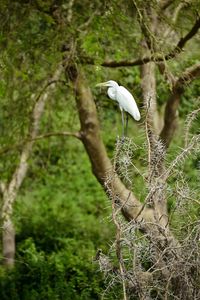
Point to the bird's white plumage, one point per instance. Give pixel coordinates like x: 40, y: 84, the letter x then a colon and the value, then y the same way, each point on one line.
x: 123, y: 97
x: 127, y: 102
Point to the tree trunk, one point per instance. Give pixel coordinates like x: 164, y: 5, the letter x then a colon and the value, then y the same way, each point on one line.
x: 171, y: 118
x: 151, y: 220
x: 148, y: 85
x: 101, y: 165
x: 8, y: 239
x: 10, y: 191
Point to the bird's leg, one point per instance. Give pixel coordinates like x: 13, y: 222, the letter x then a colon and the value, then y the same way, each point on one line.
x: 122, y: 123
x: 126, y: 128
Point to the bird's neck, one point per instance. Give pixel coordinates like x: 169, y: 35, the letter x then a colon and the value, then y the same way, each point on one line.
x: 112, y: 93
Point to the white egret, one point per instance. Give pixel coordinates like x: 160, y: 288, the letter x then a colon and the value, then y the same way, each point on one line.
x: 124, y: 98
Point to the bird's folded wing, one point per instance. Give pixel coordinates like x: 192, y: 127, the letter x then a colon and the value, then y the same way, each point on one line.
x: 127, y: 102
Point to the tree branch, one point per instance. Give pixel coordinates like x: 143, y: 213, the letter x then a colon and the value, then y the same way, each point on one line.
x: 154, y: 57
x: 165, y: 4
x: 170, y: 118
x: 59, y: 133
x: 11, y: 190
x: 188, y: 75
x: 183, y: 41
x: 190, y: 118
x: 42, y: 136
x: 2, y: 187
x: 174, y: 19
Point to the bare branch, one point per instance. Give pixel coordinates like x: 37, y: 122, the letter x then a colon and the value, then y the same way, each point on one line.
x: 70, y: 11
x: 148, y: 30
x: 42, y: 136
x: 190, y: 119
x: 59, y: 133
x: 192, y: 147
x: 188, y: 75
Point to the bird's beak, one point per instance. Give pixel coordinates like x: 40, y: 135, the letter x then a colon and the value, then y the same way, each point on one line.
x: 101, y: 84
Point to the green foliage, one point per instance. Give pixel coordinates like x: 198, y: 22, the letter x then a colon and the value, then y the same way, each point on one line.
x: 64, y: 274
x: 60, y: 225
x: 61, y: 215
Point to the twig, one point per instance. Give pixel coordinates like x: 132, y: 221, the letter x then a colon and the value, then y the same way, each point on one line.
x: 42, y: 136
x: 59, y: 133
x: 185, y: 152
x: 190, y: 119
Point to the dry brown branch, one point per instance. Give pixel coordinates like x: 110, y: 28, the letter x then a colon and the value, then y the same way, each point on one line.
x: 70, y: 10
x: 169, y: 261
x: 193, y: 146
x: 115, y: 211
x: 188, y: 75
x: 190, y: 118
x: 118, y: 249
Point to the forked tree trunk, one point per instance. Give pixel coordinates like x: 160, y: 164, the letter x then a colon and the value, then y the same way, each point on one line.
x: 152, y: 220
x: 101, y: 165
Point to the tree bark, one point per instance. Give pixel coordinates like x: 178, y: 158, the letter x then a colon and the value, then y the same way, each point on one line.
x: 8, y: 242
x: 156, y: 197
x: 148, y: 85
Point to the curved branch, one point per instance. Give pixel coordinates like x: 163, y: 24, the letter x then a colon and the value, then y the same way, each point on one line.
x: 154, y: 57
x: 184, y: 40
